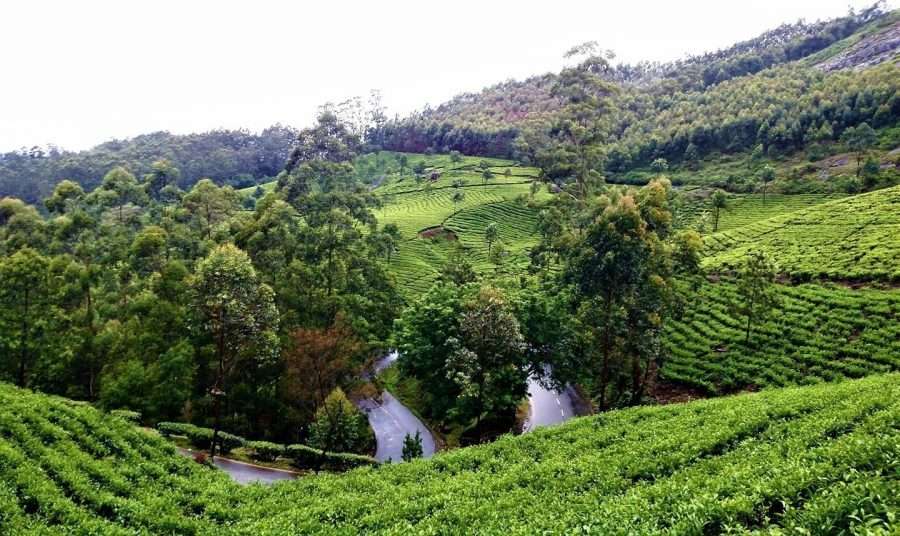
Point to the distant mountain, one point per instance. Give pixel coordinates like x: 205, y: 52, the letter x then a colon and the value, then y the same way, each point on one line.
x: 785, y: 64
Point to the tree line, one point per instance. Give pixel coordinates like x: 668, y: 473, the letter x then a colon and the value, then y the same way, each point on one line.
x: 188, y: 305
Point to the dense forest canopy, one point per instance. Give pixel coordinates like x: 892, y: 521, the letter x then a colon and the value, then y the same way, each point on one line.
x: 236, y: 157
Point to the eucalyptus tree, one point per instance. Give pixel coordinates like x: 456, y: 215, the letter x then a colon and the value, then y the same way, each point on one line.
x: 237, y: 313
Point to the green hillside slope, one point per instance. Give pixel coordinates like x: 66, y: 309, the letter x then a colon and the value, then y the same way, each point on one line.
x: 803, y: 460
x: 853, y: 238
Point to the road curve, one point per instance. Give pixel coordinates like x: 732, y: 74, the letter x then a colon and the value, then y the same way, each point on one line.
x: 547, y: 407
x: 246, y: 473
x: 392, y: 421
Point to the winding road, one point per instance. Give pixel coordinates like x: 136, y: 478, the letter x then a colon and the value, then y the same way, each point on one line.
x: 392, y: 421
x: 547, y: 407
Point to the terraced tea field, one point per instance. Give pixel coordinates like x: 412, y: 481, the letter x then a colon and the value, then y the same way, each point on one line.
x: 418, y: 206
x: 847, y: 239
x: 805, y: 460
x: 745, y: 209
x: 819, y: 333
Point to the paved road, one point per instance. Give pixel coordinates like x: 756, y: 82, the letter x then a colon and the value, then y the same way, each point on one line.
x: 547, y: 407
x: 391, y: 421
x: 246, y: 473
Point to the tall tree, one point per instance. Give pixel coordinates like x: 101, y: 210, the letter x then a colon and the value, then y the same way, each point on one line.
x: 766, y: 175
x: 756, y: 290
x: 237, y: 313
x: 488, y: 361
x: 719, y: 202
x: 859, y: 139
x: 23, y: 309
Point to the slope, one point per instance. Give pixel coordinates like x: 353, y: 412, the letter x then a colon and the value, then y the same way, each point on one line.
x: 848, y: 239
x: 801, y: 460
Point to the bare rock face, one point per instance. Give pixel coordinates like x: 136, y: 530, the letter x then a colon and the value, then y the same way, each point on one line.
x: 870, y: 50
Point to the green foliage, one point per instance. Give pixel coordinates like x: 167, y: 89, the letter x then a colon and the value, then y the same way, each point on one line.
x: 412, y: 447
x: 265, y: 451
x: 811, y: 459
x: 305, y: 457
x: 339, y: 426
x: 852, y: 238
x: 756, y: 289
x: 227, y: 156
x: 815, y: 333
x: 134, y: 417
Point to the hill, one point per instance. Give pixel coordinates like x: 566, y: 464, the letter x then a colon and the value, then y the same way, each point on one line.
x: 235, y: 157
x: 810, y: 459
x: 432, y: 225
x: 847, y: 239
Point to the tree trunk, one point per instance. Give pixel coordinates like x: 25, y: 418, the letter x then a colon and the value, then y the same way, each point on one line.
x: 218, y: 390
x: 23, y: 342
x: 607, y: 342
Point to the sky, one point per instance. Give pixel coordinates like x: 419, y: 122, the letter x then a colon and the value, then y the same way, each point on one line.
x: 80, y: 73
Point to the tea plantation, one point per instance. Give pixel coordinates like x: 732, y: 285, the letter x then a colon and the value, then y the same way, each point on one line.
x: 820, y: 459
x: 847, y: 239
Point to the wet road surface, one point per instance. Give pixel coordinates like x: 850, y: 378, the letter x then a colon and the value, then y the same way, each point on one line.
x: 246, y: 473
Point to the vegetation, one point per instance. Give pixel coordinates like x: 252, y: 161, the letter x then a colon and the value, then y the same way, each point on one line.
x: 846, y: 239
x: 231, y: 157
x: 815, y: 333
x: 812, y: 459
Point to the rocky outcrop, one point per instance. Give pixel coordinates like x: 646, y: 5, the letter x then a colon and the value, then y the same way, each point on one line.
x: 871, y: 50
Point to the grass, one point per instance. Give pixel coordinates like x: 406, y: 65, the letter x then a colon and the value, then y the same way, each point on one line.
x: 798, y: 460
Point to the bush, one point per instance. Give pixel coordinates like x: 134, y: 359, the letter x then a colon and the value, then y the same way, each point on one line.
x: 265, y: 451
x: 305, y: 457
x: 168, y: 429
x: 134, y: 417
x: 227, y: 442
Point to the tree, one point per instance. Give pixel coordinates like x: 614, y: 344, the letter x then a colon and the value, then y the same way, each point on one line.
x: 66, y: 194
x: 237, y: 312
x: 659, y: 166
x: 487, y: 362
x: 119, y: 188
x: 457, y: 197
x: 458, y: 270
x: 317, y: 361
x: 766, y: 175
x: 339, y: 426
x: 486, y: 175
x: 421, y: 335
x: 412, y: 447
x: 719, y: 202
x: 491, y: 235
x: 756, y: 289
x: 579, y: 131
x: 455, y: 157
x: 23, y: 309
x: 859, y: 139
x: 402, y: 161
x: 163, y: 173
x: 621, y: 271
x: 210, y: 204
x: 691, y: 156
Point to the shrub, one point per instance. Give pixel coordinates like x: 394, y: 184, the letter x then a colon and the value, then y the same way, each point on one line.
x: 168, y: 429
x: 227, y: 442
x: 305, y: 457
x: 134, y: 417
x: 265, y: 451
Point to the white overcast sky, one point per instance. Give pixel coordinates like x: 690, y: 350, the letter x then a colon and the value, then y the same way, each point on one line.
x: 77, y: 73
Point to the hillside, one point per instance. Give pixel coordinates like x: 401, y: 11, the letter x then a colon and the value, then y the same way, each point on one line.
x: 813, y: 459
x: 432, y: 226
x: 791, y: 89
x: 846, y: 239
